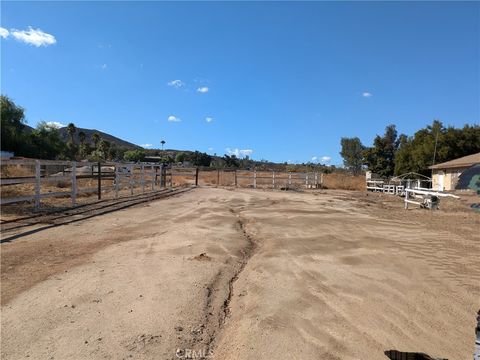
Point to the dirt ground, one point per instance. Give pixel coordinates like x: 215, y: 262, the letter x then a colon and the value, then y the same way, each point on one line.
x: 246, y: 274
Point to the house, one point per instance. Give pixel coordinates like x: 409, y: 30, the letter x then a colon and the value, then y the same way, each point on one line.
x: 445, y: 175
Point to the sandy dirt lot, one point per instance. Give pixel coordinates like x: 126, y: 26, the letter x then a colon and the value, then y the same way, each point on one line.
x: 245, y: 274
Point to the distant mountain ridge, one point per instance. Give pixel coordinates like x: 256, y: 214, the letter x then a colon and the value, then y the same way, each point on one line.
x: 89, y: 138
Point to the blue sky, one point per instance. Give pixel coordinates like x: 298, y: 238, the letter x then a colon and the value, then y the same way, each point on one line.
x: 280, y: 80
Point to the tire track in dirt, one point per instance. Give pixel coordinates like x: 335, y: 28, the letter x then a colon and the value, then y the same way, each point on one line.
x: 219, y: 295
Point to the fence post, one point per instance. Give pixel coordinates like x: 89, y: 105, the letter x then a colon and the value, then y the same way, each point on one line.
x: 255, y: 178
x: 74, y: 183
x: 235, y: 175
x: 306, y: 180
x: 153, y: 177
x: 99, y: 181
x: 142, y: 177
x: 218, y: 177
x: 131, y: 179
x: 117, y: 181
x: 289, y: 179
x: 406, y: 200
x: 273, y: 179
x: 321, y: 181
x: 316, y: 180
x: 196, y: 176
x: 37, y: 184
x: 161, y: 175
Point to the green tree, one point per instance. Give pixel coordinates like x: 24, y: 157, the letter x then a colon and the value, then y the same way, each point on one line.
x: 96, y: 140
x: 435, y: 144
x: 46, y: 142
x: 200, y: 159
x: 12, y: 125
x: 180, y: 157
x: 71, y: 130
x: 104, y: 147
x: 381, y: 157
x: 352, y: 153
x: 134, y: 155
x: 231, y: 161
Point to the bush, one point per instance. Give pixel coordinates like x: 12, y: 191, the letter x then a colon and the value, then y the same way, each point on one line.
x: 134, y: 155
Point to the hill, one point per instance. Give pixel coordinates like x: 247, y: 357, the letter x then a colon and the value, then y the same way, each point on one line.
x: 89, y: 138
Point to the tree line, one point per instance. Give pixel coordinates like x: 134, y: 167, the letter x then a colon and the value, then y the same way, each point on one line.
x: 393, y: 154
x: 44, y: 142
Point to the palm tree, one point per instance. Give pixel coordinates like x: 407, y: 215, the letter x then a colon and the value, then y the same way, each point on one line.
x: 82, y: 137
x: 96, y: 139
x: 163, y: 143
x: 71, y: 129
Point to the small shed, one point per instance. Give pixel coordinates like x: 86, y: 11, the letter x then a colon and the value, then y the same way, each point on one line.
x: 445, y: 175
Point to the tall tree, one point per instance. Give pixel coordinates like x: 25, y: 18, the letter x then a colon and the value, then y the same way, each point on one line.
x: 71, y: 129
x: 96, y: 140
x: 13, y: 124
x: 162, y: 143
x: 380, y: 158
x: 352, y: 153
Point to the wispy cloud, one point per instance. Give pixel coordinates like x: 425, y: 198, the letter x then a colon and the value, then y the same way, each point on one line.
x: 146, y: 146
x: 35, y: 37
x: 367, y: 94
x: 208, y: 119
x: 239, y: 152
x: 326, y: 159
x: 210, y: 149
x: 103, y: 66
x: 202, y: 90
x: 173, y: 118
x: 4, y: 33
x: 314, y: 158
x: 55, y: 124
x: 176, y: 84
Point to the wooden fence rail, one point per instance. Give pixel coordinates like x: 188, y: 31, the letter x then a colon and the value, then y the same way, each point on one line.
x: 115, y: 177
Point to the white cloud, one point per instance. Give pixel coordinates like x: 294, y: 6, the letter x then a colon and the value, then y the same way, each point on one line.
x: 203, y: 89
x: 208, y: 119
x: 55, y: 124
x: 173, y: 118
x: 103, y: 66
x: 210, y: 149
x: 367, y: 94
x: 146, y: 145
x: 4, y: 32
x: 239, y: 152
x: 35, y: 37
x: 176, y: 83
x: 314, y: 158
x: 326, y: 159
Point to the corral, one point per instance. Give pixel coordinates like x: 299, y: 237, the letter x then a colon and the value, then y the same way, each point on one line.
x: 231, y: 273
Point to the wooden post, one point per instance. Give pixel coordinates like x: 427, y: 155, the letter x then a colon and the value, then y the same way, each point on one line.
x: 99, y: 181
x: 255, y: 178
x: 74, y: 183
x: 37, y: 184
x: 316, y: 180
x: 235, y: 175
x: 306, y: 180
x: 153, y: 177
x: 161, y: 175
x: 289, y: 179
x: 406, y: 200
x: 117, y: 181
x: 196, y: 176
x: 142, y: 177
x: 273, y: 179
x: 218, y: 177
x: 321, y: 180
x: 131, y: 169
